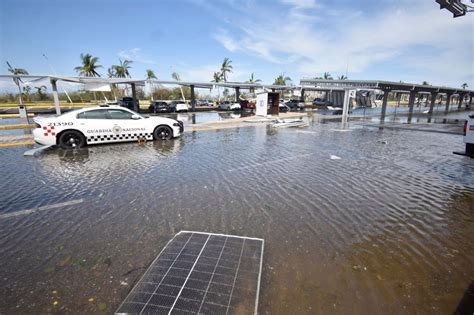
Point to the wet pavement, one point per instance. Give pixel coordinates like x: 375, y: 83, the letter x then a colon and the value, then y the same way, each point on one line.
x: 358, y: 221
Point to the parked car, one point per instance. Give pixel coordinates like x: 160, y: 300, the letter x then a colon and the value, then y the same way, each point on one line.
x: 229, y: 106
x: 128, y: 102
x: 320, y: 102
x: 178, y: 106
x: 245, y: 104
x: 283, y: 108
x: 102, y: 124
x: 159, y: 107
x: 295, y: 104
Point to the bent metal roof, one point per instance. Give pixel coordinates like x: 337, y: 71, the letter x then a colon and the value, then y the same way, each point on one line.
x: 307, y: 84
x: 381, y: 85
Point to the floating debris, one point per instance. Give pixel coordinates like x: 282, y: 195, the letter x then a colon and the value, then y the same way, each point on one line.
x: 334, y: 157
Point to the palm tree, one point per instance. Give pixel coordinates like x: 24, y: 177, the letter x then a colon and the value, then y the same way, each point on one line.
x: 121, y: 70
x: 150, y: 74
x: 253, y: 80
x: 89, y: 66
x: 40, y: 90
x: 425, y: 83
x: 342, y: 77
x: 26, y: 92
x: 217, y: 77
x: 282, y: 80
x: 226, y: 68
x: 464, y: 85
x: 327, y: 76
x: 176, y: 77
x: 17, y: 71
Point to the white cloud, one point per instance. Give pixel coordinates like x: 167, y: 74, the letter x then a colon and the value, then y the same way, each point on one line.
x: 136, y: 55
x: 409, y: 35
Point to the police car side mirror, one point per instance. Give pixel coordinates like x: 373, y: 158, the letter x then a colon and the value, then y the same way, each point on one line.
x: 135, y: 117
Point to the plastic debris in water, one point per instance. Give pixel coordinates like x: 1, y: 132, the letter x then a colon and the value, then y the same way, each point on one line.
x: 334, y: 157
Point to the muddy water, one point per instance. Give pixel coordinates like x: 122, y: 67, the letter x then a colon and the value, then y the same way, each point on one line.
x: 387, y: 228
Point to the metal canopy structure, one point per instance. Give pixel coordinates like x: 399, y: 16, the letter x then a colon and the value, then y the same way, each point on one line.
x: 380, y: 85
x: 456, y: 7
x: 388, y: 87
x: 305, y: 85
x: 200, y: 273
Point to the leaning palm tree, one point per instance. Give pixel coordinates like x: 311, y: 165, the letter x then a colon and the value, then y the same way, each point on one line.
x: 342, y: 77
x: 226, y: 68
x: 327, y: 76
x: 282, y: 80
x: 17, y: 71
x: 176, y: 77
x: 89, y: 66
x: 464, y: 86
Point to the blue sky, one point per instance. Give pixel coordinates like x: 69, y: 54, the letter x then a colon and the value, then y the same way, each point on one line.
x: 409, y: 40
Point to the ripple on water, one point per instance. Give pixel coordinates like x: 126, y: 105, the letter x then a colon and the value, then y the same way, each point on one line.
x: 387, y: 222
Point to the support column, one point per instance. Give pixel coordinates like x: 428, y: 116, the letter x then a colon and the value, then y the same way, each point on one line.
x: 56, y: 97
x: 384, y: 104
x: 461, y: 97
x: 432, y: 103
x: 411, y: 103
x: 237, y: 94
x: 136, y: 107
x: 193, y: 99
x: 468, y: 105
x: 302, y: 95
x: 448, y: 102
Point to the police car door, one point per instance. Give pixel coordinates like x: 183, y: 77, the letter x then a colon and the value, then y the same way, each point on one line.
x: 126, y: 126
x: 95, y: 125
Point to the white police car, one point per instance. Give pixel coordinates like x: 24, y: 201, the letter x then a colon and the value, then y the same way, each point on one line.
x: 103, y: 124
x: 468, y: 132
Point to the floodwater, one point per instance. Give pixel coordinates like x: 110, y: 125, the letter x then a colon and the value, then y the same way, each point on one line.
x: 359, y: 221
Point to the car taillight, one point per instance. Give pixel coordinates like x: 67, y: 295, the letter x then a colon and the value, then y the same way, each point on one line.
x: 37, y: 125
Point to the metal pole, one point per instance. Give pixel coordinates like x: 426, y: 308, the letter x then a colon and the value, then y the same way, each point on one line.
x: 411, y: 103
x: 432, y: 103
x: 134, y: 96
x: 345, y: 109
x: 55, y: 96
x: 448, y: 102
x: 193, y: 99
x: 461, y: 97
x: 237, y: 94
x: 384, y: 104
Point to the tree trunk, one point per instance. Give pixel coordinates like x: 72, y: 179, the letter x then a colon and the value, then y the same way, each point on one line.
x: 19, y: 95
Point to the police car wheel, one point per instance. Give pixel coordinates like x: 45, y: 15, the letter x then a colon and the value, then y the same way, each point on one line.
x: 163, y: 133
x: 71, y: 139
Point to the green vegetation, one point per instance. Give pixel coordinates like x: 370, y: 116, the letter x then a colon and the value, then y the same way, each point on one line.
x: 121, y: 70
x: 16, y: 71
x: 89, y: 66
x: 226, y: 68
x: 150, y: 74
x: 282, y: 80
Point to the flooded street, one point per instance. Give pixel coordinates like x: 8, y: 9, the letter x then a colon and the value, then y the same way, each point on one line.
x: 355, y: 221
